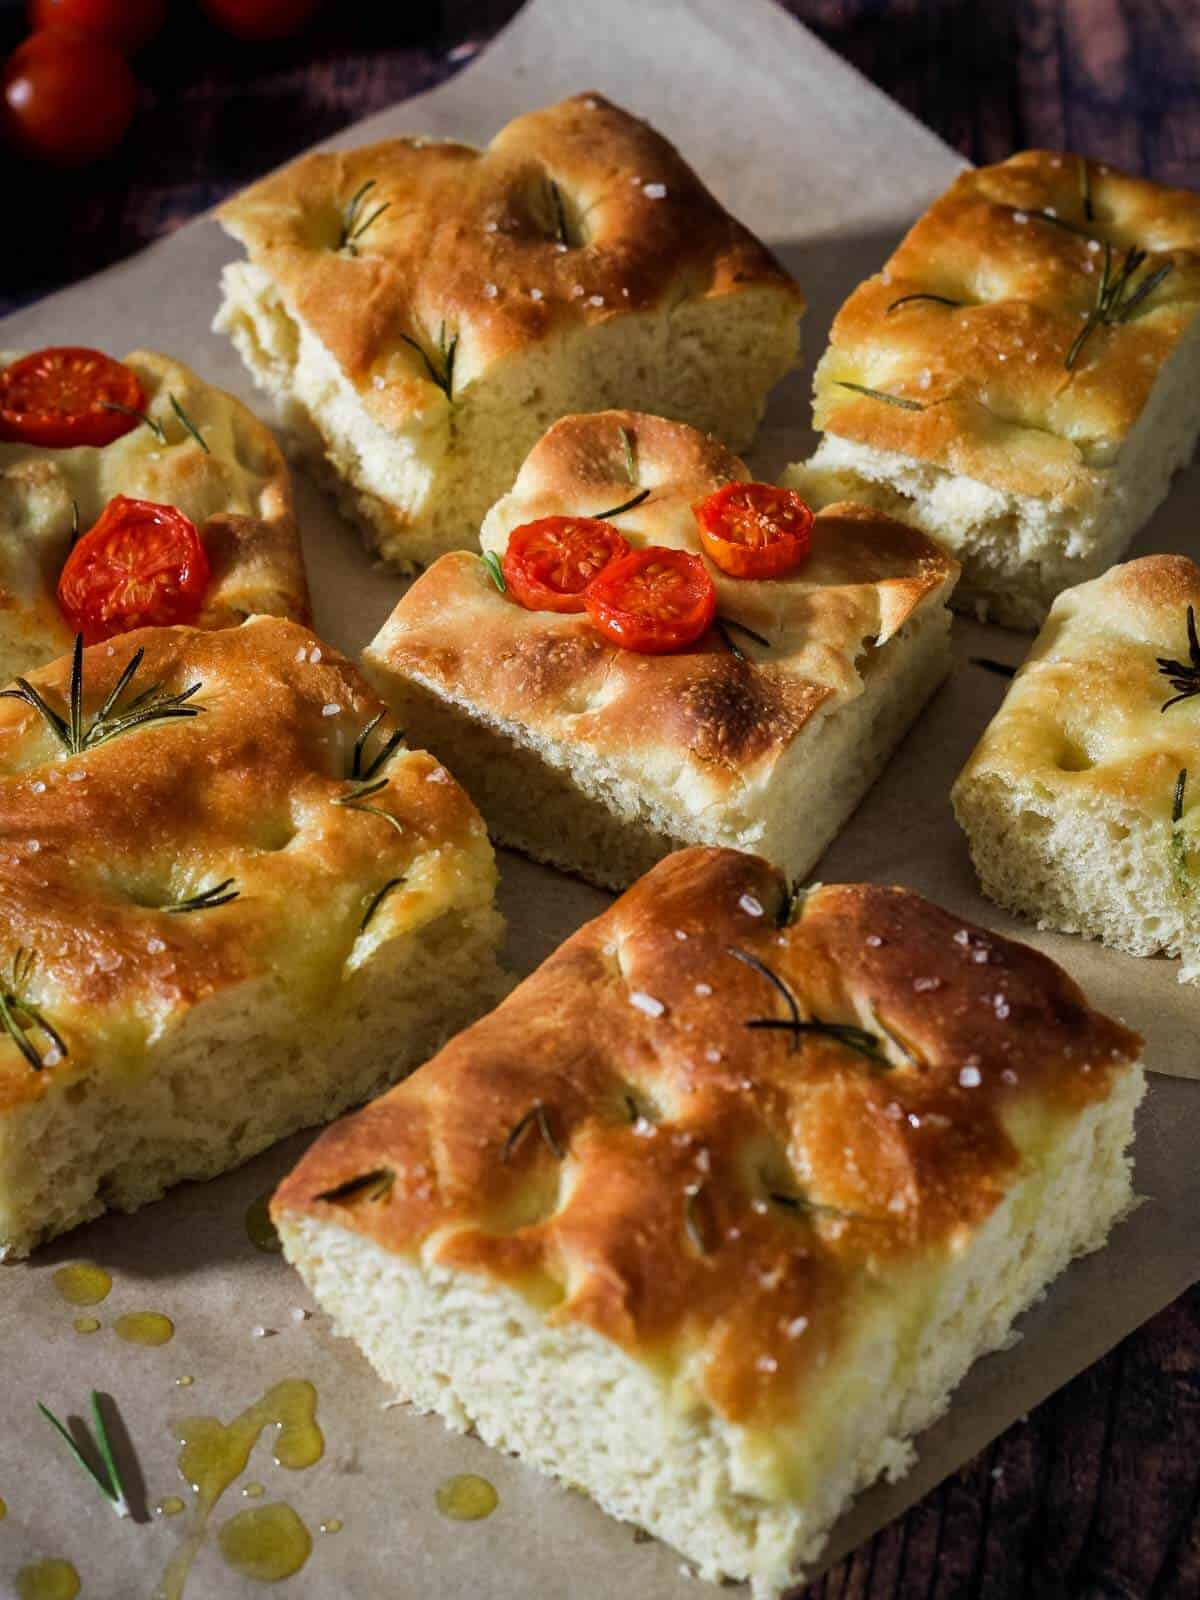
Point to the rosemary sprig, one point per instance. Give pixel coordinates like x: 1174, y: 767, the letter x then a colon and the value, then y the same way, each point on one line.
x: 109, y: 1483
x: 112, y: 719
x: 189, y: 424
x: 1183, y: 676
x: 19, y: 1017
x: 1114, y: 301
x: 880, y: 394
x: 1179, y: 850
x: 381, y: 757
x: 375, y: 1185
x: 443, y: 376
x: 1000, y: 668
x: 535, y: 1117
x: 626, y: 505
x: 354, y: 224
x: 854, y: 1038
x: 220, y: 894
x: 356, y: 797
x: 377, y: 900
x: 156, y: 428
x: 723, y: 626
x: 560, y: 215
x: 631, y: 463
x: 495, y: 571
x: 907, y: 299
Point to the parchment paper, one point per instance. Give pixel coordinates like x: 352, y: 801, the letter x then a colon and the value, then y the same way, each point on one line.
x: 829, y: 172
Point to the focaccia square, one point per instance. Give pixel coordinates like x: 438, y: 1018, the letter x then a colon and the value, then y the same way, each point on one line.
x: 600, y: 760
x: 234, y: 904
x: 235, y: 488
x: 1079, y: 800
x: 713, y: 1213
x: 424, y: 310
x: 1034, y: 355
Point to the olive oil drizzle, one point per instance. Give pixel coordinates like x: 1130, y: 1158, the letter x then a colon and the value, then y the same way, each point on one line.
x: 83, y: 1283
x: 214, y: 1454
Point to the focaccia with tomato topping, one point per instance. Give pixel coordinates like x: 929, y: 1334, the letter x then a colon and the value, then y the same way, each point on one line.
x: 1023, y: 377
x: 235, y: 488
x: 718, y: 1275
x: 600, y: 759
x: 235, y: 903
x: 423, y: 310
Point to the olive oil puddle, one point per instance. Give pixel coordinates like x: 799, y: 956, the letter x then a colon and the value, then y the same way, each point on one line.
x: 266, y: 1543
x: 144, y: 1327
x: 83, y: 1284
x: 466, y: 1497
x: 213, y: 1454
x: 48, y: 1580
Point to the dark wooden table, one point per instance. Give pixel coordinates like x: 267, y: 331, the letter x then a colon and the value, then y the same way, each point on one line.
x: 1096, y: 1495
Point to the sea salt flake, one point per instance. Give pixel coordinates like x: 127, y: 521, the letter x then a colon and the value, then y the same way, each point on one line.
x: 576, y: 291
x: 767, y: 1364
x: 300, y: 1314
x: 1002, y: 1007
x: 314, y: 655
x: 490, y: 291
x: 751, y: 906
x: 646, y: 1003
x: 155, y: 946
x: 655, y: 191
x: 39, y: 787
x: 77, y: 776
x: 703, y: 989
x: 1008, y: 1076
x: 970, y: 1077
x: 924, y: 985
x: 1020, y: 216
x: 535, y: 294
x: 874, y: 940
x: 262, y: 1333
x: 712, y: 1054
x: 595, y: 299
x: 33, y: 846
x: 330, y: 710
x: 795, y: 1327
x: 681, y: 934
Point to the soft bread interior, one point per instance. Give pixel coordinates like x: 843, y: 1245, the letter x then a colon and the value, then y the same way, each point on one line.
x: 580, y: 1408
x: 1019, y: 551
x: 600, y: 814
x: 247, y: 1066
x: 424, y: 490
x: 1089, y: 865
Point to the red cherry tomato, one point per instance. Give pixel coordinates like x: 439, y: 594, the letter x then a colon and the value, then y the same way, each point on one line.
x: 63, y: 396
x: 66, y: 98
x: 753, y: 530
x: 652, y: 600
x: 549, y: 563
x: 260, y: 19
x: 141, y: 566
x: 126, y: 24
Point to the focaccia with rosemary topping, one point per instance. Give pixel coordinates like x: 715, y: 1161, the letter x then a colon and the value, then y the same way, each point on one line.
x: 601, y: 760
x: 424, y: 310
x: 712, y: 1214
x: 1023, y: 377
x: 1079, y: 800
x: 234, y: 903
x: 235, y: 488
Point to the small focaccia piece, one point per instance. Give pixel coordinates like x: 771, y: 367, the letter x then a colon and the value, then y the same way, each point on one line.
x: 235, y: 488
x: 1076, y: 800
x: 424, y: 310
x: 601, y: 760
x: 234, y: 904
x: 1034, y: 353
x: 711, y: 1215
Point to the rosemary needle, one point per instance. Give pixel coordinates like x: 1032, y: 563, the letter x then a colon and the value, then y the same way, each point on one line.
x: 626, y: 505
x: 494, y: 570
x: 1183, y: 676
x: 881, y: 394
x: 189, y: 425
x: 377, y: 900
x: 156, y: 428
x: 109, y: 1485
x: 534, y: 1117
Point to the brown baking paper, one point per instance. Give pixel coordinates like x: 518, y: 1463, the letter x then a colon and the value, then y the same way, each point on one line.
x: 830, y: 172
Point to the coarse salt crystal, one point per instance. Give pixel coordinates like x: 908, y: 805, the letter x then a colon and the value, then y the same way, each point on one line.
x: 302, y: 653
x: 795, y: 1327
x: 595, y: 299
x: 1008, y: 1076
x: 535, y: 294
x: 490, y: 291
x: 33, y: 846
x: 262, y: 1333
x: 155, y: 946
x: 330, y: 710
x: 39, y: 787
x: 1050, y: 211
x: 963, y: 936
x: 970, y: 1077
x: 1020, y: 216
x: 491, y: 227
x: 751, y: 906
x: 576, y: 291
x: 52, y: 1057
x: 1002, y: 1007
x: 644, y: 1128
x: 300, y: 1314
x: 874, y: 940
x: 712, y: 1054
x: 924, y: 985
x: 314, y: 654
x: 703, y: 988
x: 655, y: 191
x: 681, y: 934
x: 767, y: 1364
x: 1094, y: 246
x: 646, y: 1003
x: 77, y: 776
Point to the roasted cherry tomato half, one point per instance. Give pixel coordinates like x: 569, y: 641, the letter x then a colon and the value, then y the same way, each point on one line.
x: 66, y: 97
x: 65, y: 395
x: 127, y: 24
x: 753, y: 530
x: 141, y: 566
x: 652, y: 600
x: 550, y: 562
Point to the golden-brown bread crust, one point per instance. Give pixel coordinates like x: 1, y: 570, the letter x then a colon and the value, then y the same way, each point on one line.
x: 660, y: 1232
x: 238, y: 494
x: 997, y: 401
x: 1084, y: 717
x: 470, y: 244
x: 702, y: 719
x: 93, y: 845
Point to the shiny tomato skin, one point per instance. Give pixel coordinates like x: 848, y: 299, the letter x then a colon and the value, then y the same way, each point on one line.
x: 56, y: 398
x: 754, y: 530
x: 653, y: 600
x: 259, y: 20
x: 142, y: 565
x: 65, y: 98
x: 549, y: 563
x: 125, y: 24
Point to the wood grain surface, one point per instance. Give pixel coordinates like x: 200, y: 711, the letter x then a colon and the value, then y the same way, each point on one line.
x: 1096, y: 1495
